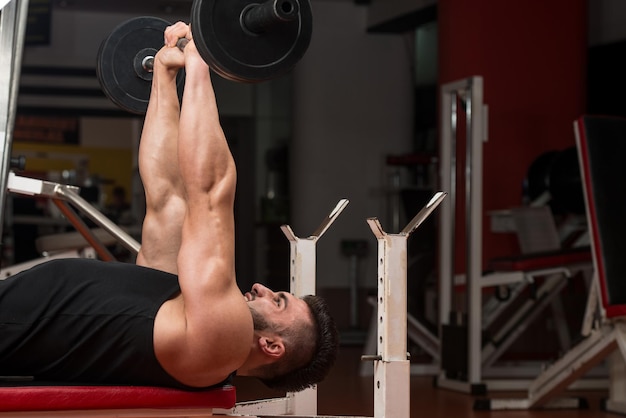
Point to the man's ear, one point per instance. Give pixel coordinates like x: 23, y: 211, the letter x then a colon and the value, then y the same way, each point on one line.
x: 272, y: 346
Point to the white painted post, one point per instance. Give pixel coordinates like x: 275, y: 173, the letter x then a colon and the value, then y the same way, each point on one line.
x: 469, y: 91
x: 303, y: 282
x: 392, y: 367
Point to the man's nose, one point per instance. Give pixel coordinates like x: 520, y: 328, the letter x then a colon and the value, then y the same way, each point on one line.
x: 260, y: 290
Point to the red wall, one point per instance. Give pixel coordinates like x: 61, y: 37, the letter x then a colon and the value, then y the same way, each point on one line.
x: 532, y: 57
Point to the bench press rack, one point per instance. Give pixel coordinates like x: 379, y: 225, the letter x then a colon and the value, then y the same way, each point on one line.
x: 302, y: 282
x: 391, y: 364
x: 128, y: 401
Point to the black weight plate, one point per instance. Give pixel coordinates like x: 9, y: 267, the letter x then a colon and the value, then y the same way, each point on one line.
x: 118, y: 66
x: 538, y: 174
x: 565, y: 183
x: 237, y: 54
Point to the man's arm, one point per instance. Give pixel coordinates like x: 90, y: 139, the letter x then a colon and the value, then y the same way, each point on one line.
x: 217, y: 316
x: 208, y: 173
x: 158, y: 162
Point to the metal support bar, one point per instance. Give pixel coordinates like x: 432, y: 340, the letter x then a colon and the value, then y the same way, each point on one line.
x: 521, y: 319
x: 12, y: 32
x: 617, y: 361
x: 468, y: 92
x: 81, y: 226
x: 601, y: 340
x: 34, y: 187
x: 126, y: 240
x: 592, y: 317
x: 576, y: 363
x: 563, y: 373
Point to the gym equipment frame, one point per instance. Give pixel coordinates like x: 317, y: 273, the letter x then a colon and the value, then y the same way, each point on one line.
x: 12, y: 32
x: 60, y: 195
x: 391, y: 363
x: 601, y: 142
x: 470, y: 93
x: 465, y: 329
x: 302, y: 269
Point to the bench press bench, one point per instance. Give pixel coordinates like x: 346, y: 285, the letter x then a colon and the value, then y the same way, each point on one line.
x: 25, y: 398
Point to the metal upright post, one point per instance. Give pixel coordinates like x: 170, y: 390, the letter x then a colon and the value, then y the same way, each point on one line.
x: 470, y: 93
x: 66, y: 193
x: 447, y: 180
x: 12, y: 32
x: 474, y: 224
x: 392, y: 367
x: 303, y: 282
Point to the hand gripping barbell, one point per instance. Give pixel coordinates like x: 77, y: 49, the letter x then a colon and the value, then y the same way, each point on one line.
x: 240, y: 40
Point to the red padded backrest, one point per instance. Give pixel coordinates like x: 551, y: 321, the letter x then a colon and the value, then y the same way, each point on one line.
x: 68, y: 398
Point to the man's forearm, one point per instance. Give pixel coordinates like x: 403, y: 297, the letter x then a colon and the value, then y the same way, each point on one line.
x: 158, y: 165
x: 204, y: 156
x: 158, y: 146
x: 206, y: 258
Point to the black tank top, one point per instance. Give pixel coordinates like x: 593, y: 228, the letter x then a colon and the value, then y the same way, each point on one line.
x: 85, y: 322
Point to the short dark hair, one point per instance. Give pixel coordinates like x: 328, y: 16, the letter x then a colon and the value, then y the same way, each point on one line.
x: 307, y: 361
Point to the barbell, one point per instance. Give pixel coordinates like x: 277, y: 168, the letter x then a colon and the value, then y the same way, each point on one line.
x: 240, y: 40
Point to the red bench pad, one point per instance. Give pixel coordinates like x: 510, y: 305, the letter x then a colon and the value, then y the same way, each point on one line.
x: 539, y: 261
x: 66, y: 398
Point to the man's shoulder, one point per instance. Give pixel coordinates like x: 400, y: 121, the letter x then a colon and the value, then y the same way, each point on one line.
x: 203, y: 354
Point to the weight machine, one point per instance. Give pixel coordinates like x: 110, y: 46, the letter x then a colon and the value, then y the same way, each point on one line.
x: 463, y: 331
x: 601, y: 143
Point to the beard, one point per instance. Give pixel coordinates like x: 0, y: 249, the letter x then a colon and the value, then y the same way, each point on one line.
x: 260, y: 323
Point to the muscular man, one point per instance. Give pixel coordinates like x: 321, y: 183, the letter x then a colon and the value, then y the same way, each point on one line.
x: 177, y: 318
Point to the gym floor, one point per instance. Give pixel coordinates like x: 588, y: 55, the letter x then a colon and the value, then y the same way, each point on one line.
x: 344, y: 392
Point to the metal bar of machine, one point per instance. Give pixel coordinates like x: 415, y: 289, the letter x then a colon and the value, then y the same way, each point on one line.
x: 13, y: 18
